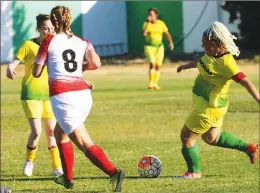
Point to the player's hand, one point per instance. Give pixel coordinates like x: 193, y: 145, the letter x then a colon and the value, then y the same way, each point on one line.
x: 180, y: 68
x: 149, y: 19
x: 171, y: 46
x: 10, y: 73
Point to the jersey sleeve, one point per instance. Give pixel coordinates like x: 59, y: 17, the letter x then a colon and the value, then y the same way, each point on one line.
x: 230, y: 67
x: 164, y: 27
x: 42, y: 54
x: 22, y: 52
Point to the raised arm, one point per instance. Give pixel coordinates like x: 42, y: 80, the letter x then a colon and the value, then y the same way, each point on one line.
x: 192, y: 64
x: 10, y: 73
x: 248, y: 85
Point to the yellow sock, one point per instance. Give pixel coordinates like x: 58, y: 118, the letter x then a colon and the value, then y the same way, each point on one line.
x: 152, y: 76
x: 157, y: 76
x: 30, y: 153
x: 55, y: 158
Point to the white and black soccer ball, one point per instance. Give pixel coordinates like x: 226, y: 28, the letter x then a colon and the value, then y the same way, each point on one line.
x: 149, y: 167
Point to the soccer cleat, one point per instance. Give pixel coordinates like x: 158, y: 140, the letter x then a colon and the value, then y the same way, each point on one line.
x: 252, y: 152
x: 28, y: 168
x: 151, y: 86
x: 156, y: 87
x: 116, y: 180
x: 69, y: 184
x: 57, y: 172
x: 189, y: 175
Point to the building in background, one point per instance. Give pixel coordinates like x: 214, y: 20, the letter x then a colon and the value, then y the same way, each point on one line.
x: 114, y: 28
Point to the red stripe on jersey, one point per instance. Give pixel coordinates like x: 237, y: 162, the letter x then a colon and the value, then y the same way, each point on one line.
x: 239, y: 76
x: 89, y: 44
x: 61, y: 86
x: 43, y: 50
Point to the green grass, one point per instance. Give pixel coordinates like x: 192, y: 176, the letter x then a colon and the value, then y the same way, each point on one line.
x: 129, y: 121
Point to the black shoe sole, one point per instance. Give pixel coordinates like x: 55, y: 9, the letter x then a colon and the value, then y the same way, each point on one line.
x: 120, y: 179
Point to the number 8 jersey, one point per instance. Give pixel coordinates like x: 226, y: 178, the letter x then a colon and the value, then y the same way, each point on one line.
x: 64, y: 57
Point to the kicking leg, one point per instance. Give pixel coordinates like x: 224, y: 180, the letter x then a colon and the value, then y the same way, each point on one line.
x: 97, y: 156
x: 227, y: 140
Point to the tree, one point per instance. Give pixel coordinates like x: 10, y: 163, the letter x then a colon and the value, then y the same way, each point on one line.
x: 249, y: 14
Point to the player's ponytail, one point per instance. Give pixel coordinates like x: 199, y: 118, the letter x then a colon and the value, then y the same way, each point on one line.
x: 61, y: 18
x: 40, y: 19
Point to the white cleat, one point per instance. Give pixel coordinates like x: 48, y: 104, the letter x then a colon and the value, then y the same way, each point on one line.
x: 57, y: 172
x: 28, y: 168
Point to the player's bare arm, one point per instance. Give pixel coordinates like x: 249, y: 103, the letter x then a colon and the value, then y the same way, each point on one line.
x: 248, y: 85
x: 169, y: 38
x: 93, y: 60
x: 146, y: 27
x: 10, y: 73
x: 37, y: 70
x: 192, y: 64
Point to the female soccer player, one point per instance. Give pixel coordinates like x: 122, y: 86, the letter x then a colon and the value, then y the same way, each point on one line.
x: 153, y: 30
x: 70, y: 94
x: 217, y: 69
x: 35, y: 98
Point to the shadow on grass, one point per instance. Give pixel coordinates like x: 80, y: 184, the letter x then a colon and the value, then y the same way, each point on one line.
x: 97, y: 178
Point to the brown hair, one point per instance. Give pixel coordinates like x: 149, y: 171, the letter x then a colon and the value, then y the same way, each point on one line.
x: 155, y: 10
x: 40, y: 19
x: 60, y: 18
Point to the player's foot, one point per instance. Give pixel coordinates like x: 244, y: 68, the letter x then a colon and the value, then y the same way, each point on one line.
x: 189, y: 175
x: 69, y: 184
x: 156, y: 87
x: 57, y: 172
x: 151, y: 86
x: 28, y: 168
x: 252, y: 152
x: 117, y: 180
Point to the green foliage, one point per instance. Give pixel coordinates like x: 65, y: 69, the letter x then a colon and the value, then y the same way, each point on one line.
x: 249, y: 14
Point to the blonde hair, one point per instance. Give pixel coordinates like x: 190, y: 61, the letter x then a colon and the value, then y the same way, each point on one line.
x: 61, y: 18
x: 219, y: 34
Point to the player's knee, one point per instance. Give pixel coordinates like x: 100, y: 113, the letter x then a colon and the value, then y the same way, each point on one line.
x: 157, y: 68
x: 36, y: 134
x: 209, y: 139
x: 49, y: 133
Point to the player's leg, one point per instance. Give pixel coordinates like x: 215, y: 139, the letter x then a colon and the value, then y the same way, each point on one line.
x: 32, y: 110
x: 49, y: 125
x: 190, y: 152
x: 159, y: 61
x: 225, y: 139
x: 97, y: 156
x: 67, y: 157
x: 150, y: 56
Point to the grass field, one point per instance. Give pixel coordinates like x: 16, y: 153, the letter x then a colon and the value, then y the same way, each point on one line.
x: 129, y: 121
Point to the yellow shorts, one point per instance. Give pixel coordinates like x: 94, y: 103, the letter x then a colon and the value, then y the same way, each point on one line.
x: 203, y: 117
x: 154, y: 55
x: 37, y: 109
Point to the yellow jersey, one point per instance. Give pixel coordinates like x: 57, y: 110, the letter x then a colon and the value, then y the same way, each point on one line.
x: 155, y: 32
x: 32, y: 88
x: 214, y: 79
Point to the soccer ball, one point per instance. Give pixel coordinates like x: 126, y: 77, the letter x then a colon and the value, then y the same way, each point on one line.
x: 149, y: 167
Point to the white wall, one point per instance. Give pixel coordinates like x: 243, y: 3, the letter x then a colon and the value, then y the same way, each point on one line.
x: 6, y: 31
x: 213, y: 12
x: 104, y: 23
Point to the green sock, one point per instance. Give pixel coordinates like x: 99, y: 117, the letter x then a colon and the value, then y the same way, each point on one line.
x: 192, y: 158
x: 227, y: 140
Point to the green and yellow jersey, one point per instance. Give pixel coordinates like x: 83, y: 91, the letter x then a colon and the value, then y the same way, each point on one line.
x: 214, y: 79
x: 32, y: 88
x: 155, y: 31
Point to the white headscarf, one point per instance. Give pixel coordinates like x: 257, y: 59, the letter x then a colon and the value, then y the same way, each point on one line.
x: 219, y: 31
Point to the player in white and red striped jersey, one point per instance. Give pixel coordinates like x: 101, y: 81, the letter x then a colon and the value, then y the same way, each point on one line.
x: 70, y: 94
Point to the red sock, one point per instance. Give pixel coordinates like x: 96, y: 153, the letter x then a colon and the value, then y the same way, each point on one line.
x: 98, y: 157
x: 67, y: 159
